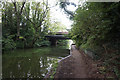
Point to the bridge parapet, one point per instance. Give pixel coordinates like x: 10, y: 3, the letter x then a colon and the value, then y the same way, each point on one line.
x: 59, y: 36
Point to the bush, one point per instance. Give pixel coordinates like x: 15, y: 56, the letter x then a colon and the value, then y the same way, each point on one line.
x: 8, y: 43
x: 42, y: 43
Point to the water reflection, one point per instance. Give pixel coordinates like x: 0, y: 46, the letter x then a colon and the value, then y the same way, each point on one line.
x: 34, y: 66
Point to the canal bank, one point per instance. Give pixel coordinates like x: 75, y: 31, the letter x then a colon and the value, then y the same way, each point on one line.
x: 76, y: 65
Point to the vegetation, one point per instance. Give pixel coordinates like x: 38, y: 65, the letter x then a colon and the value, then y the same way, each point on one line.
x: 25, y: 25
x: 96, y: 28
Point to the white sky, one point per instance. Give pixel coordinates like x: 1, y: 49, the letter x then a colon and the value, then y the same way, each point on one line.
x: 57, y: 13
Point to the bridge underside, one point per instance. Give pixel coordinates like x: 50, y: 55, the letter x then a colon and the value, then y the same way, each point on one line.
x: 53, y: 39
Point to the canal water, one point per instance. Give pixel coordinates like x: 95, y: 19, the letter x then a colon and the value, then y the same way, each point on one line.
x: 31, y: 63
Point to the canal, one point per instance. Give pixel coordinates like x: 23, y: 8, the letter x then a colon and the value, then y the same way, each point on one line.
x: 32, y: 63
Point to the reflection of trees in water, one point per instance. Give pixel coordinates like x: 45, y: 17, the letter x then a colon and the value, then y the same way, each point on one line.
x: 23, y: 67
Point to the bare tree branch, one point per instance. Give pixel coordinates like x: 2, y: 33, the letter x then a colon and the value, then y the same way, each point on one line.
x: 14, y: 3
x: 28, y: 17
x: 44, y: 14
x: 23, y: 4
x: 30, y: 21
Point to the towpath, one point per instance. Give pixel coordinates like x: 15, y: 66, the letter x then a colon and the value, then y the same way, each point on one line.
x: 73, y: 66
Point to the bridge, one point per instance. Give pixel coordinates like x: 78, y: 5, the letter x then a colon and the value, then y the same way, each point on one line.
x: 58, y: 36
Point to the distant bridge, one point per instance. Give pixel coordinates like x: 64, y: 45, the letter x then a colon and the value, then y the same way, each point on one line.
x: 58, y: 36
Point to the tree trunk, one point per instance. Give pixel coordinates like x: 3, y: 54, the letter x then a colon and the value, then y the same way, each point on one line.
x: 18, y: 26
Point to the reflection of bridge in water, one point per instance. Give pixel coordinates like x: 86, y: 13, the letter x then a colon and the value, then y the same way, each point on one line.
x: 58, y: 36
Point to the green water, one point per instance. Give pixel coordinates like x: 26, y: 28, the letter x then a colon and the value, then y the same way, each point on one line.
x: 30, y: 63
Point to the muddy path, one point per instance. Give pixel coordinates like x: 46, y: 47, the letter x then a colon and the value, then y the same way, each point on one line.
x: 76, y: 65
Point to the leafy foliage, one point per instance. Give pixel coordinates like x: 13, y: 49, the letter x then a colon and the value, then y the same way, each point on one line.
x: 26, y: 24
x: 96, y: 27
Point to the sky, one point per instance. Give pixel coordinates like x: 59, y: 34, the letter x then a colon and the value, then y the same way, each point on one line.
x: 57, y: 14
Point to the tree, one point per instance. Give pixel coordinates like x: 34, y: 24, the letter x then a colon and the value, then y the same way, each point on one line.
x: 38, y: 18
x: 18, y: 8
x: 29, y: 22
x: 64, y: 4
x: 96, y: 29
x: 56, y: 27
